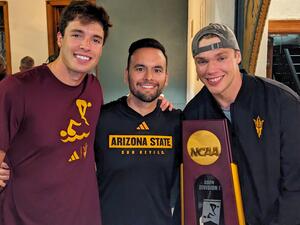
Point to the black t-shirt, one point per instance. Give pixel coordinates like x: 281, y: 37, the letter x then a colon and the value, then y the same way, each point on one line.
x: 137, y: 160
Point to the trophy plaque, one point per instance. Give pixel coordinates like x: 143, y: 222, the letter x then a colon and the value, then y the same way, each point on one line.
x: 211, y: 191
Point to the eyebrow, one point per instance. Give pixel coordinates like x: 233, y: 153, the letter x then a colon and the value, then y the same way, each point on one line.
x: 76, y: 30
x: 142, y: 65
x: 159, y: 67
x: 139, y: 65
x: 80, y: 31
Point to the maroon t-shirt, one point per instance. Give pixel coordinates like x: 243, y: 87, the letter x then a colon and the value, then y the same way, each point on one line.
x: 47, y: 129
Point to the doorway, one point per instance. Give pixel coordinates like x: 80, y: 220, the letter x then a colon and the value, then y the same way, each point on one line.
x: 283, y: 56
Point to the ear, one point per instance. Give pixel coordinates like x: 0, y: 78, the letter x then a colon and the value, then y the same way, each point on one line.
x: 167, y: 79
x: 126, y: 76
x: 238, y: 56
x: 59, y: 39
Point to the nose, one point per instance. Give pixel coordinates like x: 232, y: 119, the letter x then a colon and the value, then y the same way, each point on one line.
x: 148, y: 74
x: 85, y: 44
x: 211, y: 67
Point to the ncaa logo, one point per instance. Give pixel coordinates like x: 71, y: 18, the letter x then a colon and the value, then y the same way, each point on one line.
x: 204, y: 147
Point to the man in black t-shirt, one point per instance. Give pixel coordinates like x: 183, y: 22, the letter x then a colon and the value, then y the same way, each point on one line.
x: 137, y: 144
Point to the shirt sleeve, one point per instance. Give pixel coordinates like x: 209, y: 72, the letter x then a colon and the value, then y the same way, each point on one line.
x: 289, y: 210
x: 11, y: 110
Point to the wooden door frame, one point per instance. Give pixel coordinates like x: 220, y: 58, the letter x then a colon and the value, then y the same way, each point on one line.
x: 280, y: 27
x: 51, y: 7
x: 4, y: 5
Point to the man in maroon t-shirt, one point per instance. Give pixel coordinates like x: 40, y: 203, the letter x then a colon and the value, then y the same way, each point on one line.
x: 47, y: 126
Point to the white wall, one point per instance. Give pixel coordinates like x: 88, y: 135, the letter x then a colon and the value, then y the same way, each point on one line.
x: 201, y: 13
x: 279, y: 9
x: 224, y: 12
x: 28, y: 31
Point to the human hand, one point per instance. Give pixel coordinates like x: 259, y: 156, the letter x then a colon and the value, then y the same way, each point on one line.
x: 165, y: 104
x: 4, y: 174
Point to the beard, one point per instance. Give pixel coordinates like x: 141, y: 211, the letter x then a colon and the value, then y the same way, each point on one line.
x: 145, y: 97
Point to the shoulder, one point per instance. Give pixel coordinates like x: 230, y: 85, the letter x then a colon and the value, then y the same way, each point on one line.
x: 201, y: 98
x: 113, y: 106
x: 11, y: 84
x: 93, y: 81
x: 114, y: 103
x: 175, y: 114
x: 36, y: 74
x: 272, y: 88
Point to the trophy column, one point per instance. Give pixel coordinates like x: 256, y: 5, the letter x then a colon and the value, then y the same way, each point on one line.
x: 211, y: 189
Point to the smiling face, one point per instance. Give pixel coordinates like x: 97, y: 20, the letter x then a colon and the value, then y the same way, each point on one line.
x: 218, y: 70
x: 80, y: 49
x: 147, y: 74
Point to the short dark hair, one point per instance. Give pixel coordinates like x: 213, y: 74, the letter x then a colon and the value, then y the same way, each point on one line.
x: 27, y: 62
x: 146, y: 43
x: 86, y: 12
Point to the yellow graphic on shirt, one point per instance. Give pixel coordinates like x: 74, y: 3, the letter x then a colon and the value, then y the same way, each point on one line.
x: 258, y: 126
x: 80, y: 154
x: 74, y: 157
x: 143, y: 126
x: 140, y: 141
x: 82, y: 105
x: 140, y: 144
x: 70, y: 135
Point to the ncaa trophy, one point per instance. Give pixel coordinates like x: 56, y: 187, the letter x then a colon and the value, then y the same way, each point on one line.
x: 211, y: 191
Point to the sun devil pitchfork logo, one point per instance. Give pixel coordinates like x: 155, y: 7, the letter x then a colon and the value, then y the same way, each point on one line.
x: 258, y: 126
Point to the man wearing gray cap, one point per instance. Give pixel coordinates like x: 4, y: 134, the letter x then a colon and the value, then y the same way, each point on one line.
x: 263, y: 120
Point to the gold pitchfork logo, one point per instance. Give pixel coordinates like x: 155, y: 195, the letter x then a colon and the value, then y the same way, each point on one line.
x: 258, y: 125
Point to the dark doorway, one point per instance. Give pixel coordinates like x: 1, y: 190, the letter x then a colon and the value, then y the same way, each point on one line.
x: 283, y: 62
x: 286, y: 59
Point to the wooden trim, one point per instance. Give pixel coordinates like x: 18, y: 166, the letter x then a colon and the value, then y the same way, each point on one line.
x: 57, y: 2
x: 62, y: 2
x: 51, y: 40
x: 4, y: 4
x: 270, y: 57
x: 50, y: 9
x: 258, y: 36
x: 284, y: 26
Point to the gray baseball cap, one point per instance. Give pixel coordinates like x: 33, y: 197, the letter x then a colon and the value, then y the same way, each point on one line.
x: 226, y: 35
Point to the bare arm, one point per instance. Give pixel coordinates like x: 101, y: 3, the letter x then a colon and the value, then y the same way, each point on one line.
x: 2, y: 155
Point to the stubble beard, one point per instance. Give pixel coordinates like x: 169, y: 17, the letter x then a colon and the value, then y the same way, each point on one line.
x: 141, y: 96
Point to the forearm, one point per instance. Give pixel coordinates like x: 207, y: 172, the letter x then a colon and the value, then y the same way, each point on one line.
x: 4, y: 173
x: 2, y: 155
